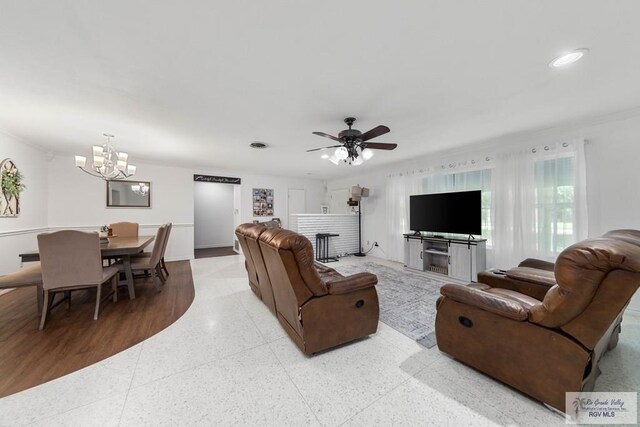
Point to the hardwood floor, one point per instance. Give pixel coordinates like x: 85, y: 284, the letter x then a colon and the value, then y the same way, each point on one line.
x: 214, y: 252
x: 72, y: 340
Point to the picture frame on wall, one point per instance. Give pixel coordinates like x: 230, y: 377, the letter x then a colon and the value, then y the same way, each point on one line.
x: 263, y: 202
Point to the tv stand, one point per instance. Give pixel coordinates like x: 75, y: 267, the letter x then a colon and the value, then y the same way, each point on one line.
x: 460, y: 259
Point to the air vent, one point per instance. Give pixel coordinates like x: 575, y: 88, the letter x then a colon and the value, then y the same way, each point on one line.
x: 258, y: 145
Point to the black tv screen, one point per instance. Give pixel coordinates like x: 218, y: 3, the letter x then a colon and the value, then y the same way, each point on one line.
x: 458, y: 213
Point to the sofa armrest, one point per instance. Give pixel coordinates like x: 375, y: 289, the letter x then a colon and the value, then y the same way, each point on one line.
x: 538, y: 263
x: 533, y: 275
x: 355, y: 282
x: 485, y: 301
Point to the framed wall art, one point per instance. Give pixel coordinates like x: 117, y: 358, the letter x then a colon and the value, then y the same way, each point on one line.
x: 262, y: 202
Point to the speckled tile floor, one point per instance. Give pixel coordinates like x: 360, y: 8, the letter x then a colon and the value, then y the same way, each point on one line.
x: 228, y: 361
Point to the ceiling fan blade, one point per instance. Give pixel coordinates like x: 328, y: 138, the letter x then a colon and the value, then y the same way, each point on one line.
x: 326, y: 135
x: 324, y: 148
x: 379, y: 145
x: 376, y: 131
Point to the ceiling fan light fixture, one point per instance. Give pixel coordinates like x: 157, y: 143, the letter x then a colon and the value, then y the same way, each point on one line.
x: 354, y: 147
x: 341, y: 153
x: 367, y: 154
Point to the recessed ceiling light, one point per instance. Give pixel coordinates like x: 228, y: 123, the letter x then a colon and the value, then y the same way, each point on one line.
x: 568, y: 58
x: 258, y: 145
x: 324, y: 156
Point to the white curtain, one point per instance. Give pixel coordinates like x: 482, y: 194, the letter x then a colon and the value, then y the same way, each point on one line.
x: 399, y: 188
x: 582, y: 219
x: 538, y: 202
x: 512, y: 206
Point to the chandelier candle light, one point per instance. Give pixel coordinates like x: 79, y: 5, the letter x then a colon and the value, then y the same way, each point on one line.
x: 107, y: 163
x: 141, y: 188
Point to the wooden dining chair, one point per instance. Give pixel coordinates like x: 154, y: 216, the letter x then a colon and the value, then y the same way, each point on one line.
x: 150, y: 263
x: 71, y: 260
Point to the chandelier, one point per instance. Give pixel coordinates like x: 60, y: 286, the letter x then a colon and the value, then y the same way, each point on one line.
x: 141, y: 188
x: 107, y: 163
x: 351, y: 154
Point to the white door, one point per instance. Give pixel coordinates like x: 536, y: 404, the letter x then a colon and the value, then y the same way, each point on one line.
x: 296, y: 203
x: 338, y: 203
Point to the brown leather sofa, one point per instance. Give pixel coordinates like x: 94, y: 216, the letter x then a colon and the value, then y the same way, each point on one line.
x: 544, y: 344
x: 317, y: 306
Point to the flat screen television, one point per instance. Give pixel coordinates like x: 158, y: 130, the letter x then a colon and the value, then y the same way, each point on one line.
x: 456, y: 213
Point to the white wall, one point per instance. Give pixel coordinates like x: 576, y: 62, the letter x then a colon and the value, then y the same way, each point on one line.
x: 60, y: 196
x: 19, y: 234
x: 213, y: 211
x: 314, y: 192
x: 613, y: 193
x: 77, y: 200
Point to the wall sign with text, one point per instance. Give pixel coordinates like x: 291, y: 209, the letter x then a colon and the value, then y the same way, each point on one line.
x: 218, y: 179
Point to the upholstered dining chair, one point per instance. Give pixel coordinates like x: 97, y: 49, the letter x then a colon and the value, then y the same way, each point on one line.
x: 163, y: 265
x: 150, y: 263
x: 71, y: 260
x: 125, y: 229
x: 122, y: 229
x: 27, y: 276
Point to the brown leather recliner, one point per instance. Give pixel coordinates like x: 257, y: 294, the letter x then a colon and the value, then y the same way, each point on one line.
x: 317, y: 312
x: 536, y: 276
x: 545, y: 347
x: 251, y: 235
x: 241, y: 232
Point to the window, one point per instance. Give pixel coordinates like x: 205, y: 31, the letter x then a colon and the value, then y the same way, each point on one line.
x: 465, y: 181
x: 555, y: 204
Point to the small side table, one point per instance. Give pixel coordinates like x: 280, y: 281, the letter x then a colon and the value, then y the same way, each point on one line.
x: 322, y: 247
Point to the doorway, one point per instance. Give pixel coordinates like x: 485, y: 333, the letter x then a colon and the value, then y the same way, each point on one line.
x: 213, y: 219
x: 338, y: 202
x: 296, y: 204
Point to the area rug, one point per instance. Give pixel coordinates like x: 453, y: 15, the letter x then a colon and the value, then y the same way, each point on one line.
x: 407, y: 300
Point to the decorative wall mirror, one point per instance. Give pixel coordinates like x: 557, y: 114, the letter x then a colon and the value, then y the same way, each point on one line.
x: 128, y: 194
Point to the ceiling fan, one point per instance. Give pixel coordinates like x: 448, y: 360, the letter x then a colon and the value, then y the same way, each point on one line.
x: 354, y: 147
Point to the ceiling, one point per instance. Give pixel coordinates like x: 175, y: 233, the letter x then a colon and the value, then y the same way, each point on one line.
x: 194, y: 82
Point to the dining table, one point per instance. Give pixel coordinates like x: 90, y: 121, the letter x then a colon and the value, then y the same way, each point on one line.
x: 120, y: 247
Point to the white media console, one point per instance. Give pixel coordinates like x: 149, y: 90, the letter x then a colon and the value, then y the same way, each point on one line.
x: 460, y: 259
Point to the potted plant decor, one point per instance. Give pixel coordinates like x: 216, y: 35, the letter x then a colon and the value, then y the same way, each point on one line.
x: 11, y: 185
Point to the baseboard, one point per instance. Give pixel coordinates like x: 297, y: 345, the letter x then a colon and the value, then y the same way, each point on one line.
x: 230, y: 245
x: 182, y: 258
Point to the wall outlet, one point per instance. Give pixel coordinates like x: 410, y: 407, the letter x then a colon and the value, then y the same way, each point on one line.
x: 367, y: 243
